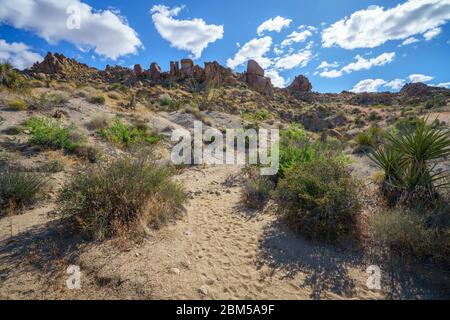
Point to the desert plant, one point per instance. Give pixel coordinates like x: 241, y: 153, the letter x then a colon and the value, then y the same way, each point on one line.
x: 50, y: 133
x: 423, y: 233
x: 124, y: 195
x: 49, y: 100
x: 123, y: 134
x: 256, y: 192
x: 19, y: 189
x: 406, y: 160
x: 18, y: 105
x: 99, y: 121
x: 97, y: 99
x: 12, y: 79
x: 319, y: 198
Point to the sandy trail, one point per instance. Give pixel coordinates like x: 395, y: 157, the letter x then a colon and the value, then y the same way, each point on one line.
x: 216, y: 250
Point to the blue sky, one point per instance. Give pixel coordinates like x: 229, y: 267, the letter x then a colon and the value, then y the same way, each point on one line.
x: 339, y: 45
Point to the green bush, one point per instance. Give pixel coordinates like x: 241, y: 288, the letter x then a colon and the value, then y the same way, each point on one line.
x: 19, y: 189
x: 319, y: 198
x: 125, y: 135
x: 50, y: 133
x: 169, y: 102
x: 422, y: 233
x: 12, y: 79
x: 123, y: 196
x: 407, y: 161
x: 368, y: 140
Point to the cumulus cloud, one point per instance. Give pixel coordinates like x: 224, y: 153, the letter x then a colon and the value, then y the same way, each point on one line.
x: 430, y: 34
x: 190, y: 35
x: 18, y: 54
x: 444, y: 85
x: 274, y: 24
x: 395, y: 84
x: 277, y: 80
x: 374, y: 26
x: 295, y: 37
x: 294, y: 60
x: 255, y: 49
x: 368, y: 85
x: 408, y: 41
x: 326, y: 65
x: 420, y: 78
x: 106, y: 32
x: 361, y: 63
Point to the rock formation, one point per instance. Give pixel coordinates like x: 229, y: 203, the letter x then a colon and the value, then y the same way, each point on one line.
x: 416, y: 89
x: 300, y: 85
x: 59, y: 66
x: 256, y: 80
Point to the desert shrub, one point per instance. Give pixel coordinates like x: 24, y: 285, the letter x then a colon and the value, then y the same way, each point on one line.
x: 97, y: 99
x: 125, y: 135
x: 18, y: 105
x: 436, y: 101
x: 407, y: 161
x: 319, y: 198
x: 124, y: 195
x: 119, y: 87
x: 99, y: 121
x: 113, y: 95
x: 12, y: 79
x: 49, y: 100
x: 50, y: 133
x: 19, y: 189
x: 53, y: 166
x: 88, y: 152
x: 256, y: 190
x: 367, y: 140
x: 421, y: 233
x: 374, y: 116
x: 296, y: 147
x: 173, y: 104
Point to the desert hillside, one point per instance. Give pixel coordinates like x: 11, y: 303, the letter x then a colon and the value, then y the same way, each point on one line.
x: 86, y: 179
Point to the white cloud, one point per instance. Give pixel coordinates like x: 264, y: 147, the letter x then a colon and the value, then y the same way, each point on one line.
x: 331, y: 74
x: 395, y: 84
x: 444, y: 85
x: 430, y: 34
x: 374, y: 26
x: 292, y: 61
x: 361, y: 63
x: 408, y: 41
x: 295, y: 37
x: 190, y: 35
x: 365, y: 64
x: 326, y: 65
x: 420, y: 78
x: 18, y: 54
x: 368, y: 85
x: 255, y: 49
x: 275, y: 24
x: 277, y: 80
x: 106, y: 32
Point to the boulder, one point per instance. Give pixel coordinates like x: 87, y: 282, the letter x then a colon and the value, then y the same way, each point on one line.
x: 174, y: 69
x: 256, y: 80
x: 154, y: 72
x: 254, y: 68
x: 187, y: 67
x: 138, y: 71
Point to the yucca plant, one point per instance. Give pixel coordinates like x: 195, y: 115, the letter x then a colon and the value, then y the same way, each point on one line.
x: 407, y: 160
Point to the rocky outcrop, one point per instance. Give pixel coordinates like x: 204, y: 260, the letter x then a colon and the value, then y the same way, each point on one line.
x: 58, y: 66
x: 217, y: 76
x: 300, y: 85
x: 138, y: 71
x: 415, y: 90
x: 154, y: 73
x: 174, y: 69
x: 256, y: 80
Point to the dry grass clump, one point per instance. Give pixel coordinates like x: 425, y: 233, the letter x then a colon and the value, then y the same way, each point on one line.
x: 99, y: 121
x: 19, y: 189
x: 125, y: 195
x: 97, y: 99
x: 257, y: 189
x: 18, y: 105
